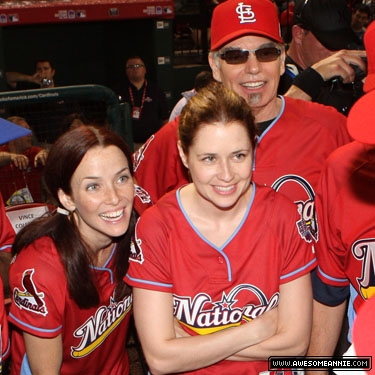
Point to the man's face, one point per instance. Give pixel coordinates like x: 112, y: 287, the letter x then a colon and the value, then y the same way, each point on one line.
x: 359, y: 19
x: 23, y: 143
x: 255, y: 81
x: 312, y: 50
x: 45, y: 70
x: 135, y: 70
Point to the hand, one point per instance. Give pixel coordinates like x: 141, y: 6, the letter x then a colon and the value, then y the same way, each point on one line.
x: 36, y: 78
x: 19, y: 160
x: 339, y: 65
x: 41, y: 158
x: 180, y: 332
x: 265, y: 325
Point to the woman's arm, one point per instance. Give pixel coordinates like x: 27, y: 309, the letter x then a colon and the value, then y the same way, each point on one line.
x: 294, y: 324
x: 44, y: 355
x: 167, y: 354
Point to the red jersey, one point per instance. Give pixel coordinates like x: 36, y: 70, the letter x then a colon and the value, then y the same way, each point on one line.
x: 4, y: 333
x: 213, y: 287
x: 345, y: 207
x: 157, y: 164
x: 93, y: 339
x: 288, y: 157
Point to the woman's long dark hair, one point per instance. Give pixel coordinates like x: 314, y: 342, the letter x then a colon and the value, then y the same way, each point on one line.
x: 63, y: 159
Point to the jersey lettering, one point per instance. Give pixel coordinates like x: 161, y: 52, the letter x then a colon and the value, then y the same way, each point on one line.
x: 138, y: 156
x: 98, y: 327
x: 142, y: 194
x: 204, y: 316
x: 365, y: 250
x: 136, y: 253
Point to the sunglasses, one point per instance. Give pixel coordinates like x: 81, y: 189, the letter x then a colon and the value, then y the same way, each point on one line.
x: 240, y: 56
x: 135, y: 66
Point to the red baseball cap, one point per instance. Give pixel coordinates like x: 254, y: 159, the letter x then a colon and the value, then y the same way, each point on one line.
x: 369, y: 41
x: 360, y: 121
x: 233, y: 19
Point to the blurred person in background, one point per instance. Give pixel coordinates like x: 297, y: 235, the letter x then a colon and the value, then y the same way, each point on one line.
x: 21, y: 166
x: 42, y: 78
x: 361, y: 17
x: 202, y: 79
x: 323, y: 63
x: 148, y: 103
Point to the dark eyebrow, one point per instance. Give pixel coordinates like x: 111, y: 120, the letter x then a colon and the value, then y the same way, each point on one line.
x: 97, y: 177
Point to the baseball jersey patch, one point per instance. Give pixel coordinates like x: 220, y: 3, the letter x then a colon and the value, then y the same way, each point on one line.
x: 138, y: 156
x: 29, y: 298
x: 307, y: 226
x: 142, y: 194
x: 136, y: 253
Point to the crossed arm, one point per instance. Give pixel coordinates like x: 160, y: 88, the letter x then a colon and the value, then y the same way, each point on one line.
x: 282, y: 331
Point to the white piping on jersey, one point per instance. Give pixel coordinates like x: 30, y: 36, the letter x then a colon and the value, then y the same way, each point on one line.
x: 203, y: 238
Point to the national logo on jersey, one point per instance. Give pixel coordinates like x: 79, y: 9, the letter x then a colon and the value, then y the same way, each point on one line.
x: 364, y: 250
x: 29, y: 298
x: 307, y: 225
x: 204, y: 315
x: 99, y: 326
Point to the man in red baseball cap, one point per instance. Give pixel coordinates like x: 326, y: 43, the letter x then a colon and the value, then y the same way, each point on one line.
x: 246, y: 36
x: 295, y: 137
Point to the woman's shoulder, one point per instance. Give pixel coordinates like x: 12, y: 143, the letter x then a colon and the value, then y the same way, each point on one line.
x: 273, y: 200
x: 164, y: 212
x: 40, y: 253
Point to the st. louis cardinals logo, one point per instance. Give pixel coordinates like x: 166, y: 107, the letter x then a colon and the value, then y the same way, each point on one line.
x: 98, y: 327
x: 308, y: 225
x: 203, y: 315
x: 245, y: 13
x: 29, y: 298
x: 364, y: 250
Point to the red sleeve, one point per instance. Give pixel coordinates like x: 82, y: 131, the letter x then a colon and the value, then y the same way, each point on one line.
x: 330, y: 251
x: 157, y: 165
x: 5, y: 343
x: 38, y: 290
